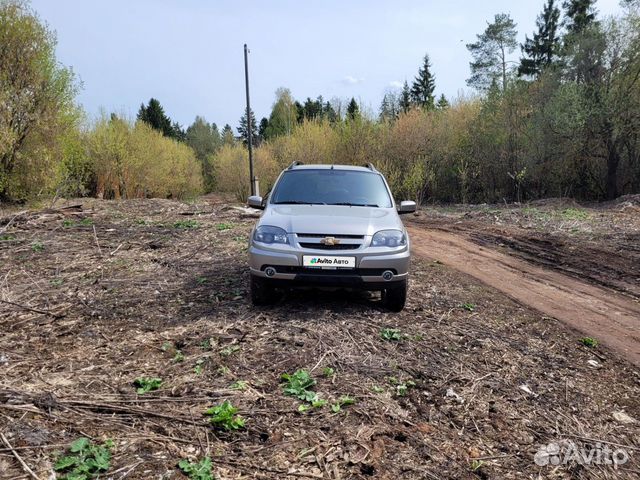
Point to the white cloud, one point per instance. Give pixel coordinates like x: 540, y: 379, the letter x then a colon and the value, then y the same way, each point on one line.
x: 395, y: 84
x: 349, y: 80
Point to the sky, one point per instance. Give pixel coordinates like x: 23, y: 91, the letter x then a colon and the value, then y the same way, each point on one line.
x: 189, y: 53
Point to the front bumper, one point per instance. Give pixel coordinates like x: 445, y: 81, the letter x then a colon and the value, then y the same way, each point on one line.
x: 371, y: 262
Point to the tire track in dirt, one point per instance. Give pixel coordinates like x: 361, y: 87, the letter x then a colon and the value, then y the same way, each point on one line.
x: 598, y: 312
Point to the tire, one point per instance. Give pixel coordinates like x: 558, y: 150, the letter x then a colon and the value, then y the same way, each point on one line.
x: 262, y: 292
x: 394, y: 297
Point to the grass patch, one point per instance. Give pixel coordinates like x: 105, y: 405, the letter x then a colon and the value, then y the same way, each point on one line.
x: 85, y: 222
x: 574, y: 214
x: 221, y: 227
x: 186, y: 224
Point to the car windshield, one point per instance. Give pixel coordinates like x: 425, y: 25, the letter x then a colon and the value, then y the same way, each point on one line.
x: 331, y: 187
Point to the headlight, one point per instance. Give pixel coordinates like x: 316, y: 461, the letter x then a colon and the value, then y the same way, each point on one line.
x: 268, y: 234
x: 389, y: 238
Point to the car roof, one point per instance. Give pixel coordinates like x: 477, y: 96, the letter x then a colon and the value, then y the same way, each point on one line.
x: 332, y: 166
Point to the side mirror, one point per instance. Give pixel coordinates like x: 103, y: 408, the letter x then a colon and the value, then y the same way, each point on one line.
x: 255, y: 201
x: 407, y: 206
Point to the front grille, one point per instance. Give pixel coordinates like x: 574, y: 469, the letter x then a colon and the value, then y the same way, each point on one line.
x: 339, y: 246
x: 323, y: 235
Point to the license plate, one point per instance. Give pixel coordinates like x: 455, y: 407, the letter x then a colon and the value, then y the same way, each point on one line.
x: 324, y: 261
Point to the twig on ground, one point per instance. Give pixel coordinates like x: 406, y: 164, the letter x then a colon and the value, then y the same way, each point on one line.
x: 25, y: 467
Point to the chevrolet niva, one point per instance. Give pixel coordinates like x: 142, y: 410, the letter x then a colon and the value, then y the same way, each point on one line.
x: 331, y: 226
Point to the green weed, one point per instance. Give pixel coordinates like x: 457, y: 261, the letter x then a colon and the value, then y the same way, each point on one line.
x: 201, y: 470
x: 37, y: 247
x: 342, y: 402
x: 201, y: 280
x: 328, y: 372
x: 198, y: 368
x: 391, y: 334
x: 224, y: 226
x: 469, y: 307
x: 6, y: 238
x: 230, y: 350
x: 589, y: 342
x: 300, y: 385
x: 85, y: 460
x: 239, y: 385
x: 476, y: 465
x: 56, y: 282
x: 224, y: 416
x: 377, y: 389
x: 178, y: 357
x: 145, y: 384
x: 186, y: 224
x: 85, y: 222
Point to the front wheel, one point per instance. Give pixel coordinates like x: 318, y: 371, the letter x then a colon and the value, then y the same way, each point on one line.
x: 394, y: 297
x: 262, y: 292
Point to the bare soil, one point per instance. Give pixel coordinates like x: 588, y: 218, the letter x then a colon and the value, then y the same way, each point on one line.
x: 96, y: 296
x: 580, y: 265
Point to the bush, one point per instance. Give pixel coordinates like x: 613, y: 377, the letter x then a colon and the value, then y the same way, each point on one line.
x: 136, y: 161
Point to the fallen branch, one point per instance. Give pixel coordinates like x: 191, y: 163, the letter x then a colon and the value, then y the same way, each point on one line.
x: 34, y: 310
x: 25, y: 467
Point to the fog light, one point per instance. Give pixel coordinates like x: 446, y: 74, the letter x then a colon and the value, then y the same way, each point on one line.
x: 387, y: 275
x: 270, y: 271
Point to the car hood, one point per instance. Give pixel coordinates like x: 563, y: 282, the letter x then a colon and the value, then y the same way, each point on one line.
x: 331, y: 219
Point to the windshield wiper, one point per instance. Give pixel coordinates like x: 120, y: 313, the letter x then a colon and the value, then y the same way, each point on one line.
x: 297, y: 202
x: 349, y: 204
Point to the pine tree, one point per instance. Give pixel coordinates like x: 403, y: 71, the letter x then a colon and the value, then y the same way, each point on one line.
x: 490, y: 53
x: 353, y: 110
x: 405, y: 98
x: 541, y: 50
x: 443, y: 103
x: 423, y: 86
x: 244, y: 131
x: 579, y: 14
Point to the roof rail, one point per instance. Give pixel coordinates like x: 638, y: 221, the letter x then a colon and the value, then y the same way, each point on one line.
x: 370, y: 167
x: 294, y: 164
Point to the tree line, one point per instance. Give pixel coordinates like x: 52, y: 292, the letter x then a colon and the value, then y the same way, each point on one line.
x: 562, y: 120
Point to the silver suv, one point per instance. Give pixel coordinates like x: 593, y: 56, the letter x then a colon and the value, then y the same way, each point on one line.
x: 332, y: 226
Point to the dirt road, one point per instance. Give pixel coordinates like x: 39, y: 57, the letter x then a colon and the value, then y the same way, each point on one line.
x: 598, y: 312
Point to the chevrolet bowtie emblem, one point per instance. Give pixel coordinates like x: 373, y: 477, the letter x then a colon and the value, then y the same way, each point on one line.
x: 330, y: 241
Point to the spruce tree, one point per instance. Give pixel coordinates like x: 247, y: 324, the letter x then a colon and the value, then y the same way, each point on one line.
x: 227, y: 135
x: 262, y: 129
x: 423, y: 86
x: 579, y: 14
x: 353, y: 110
x: 541, y: 50
x: 244, y: 131
x: 153, y: 115
x: 405, y: 98
x: 443, y: 103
